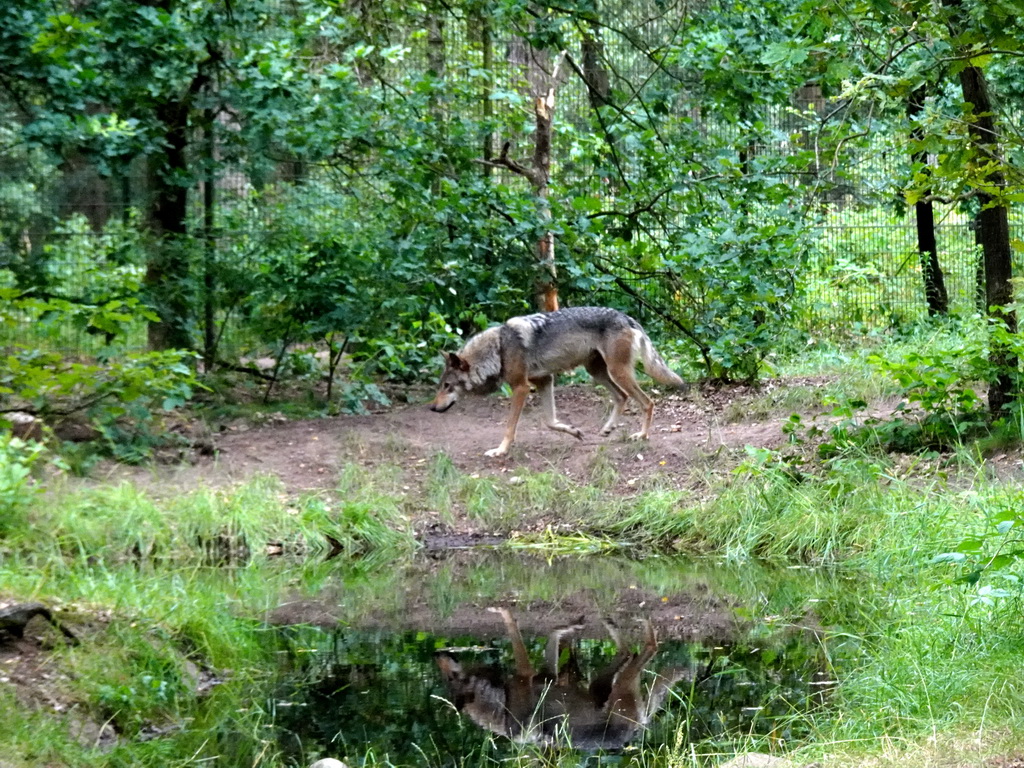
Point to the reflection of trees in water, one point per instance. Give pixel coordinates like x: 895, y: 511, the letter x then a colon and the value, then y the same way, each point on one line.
x: 347, y: 692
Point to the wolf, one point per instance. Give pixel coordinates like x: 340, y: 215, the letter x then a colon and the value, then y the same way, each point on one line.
x: 532, y: 349
x: 554, y: 706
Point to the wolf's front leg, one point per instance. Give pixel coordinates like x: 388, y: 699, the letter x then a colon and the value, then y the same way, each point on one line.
x: 519, y: 394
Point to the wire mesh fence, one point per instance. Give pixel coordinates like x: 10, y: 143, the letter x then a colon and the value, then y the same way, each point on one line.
x: 864, y: 272
x: 75, y: 231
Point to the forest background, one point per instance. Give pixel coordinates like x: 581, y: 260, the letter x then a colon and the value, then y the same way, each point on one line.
x: 374, y: 180
x: 214, y: 203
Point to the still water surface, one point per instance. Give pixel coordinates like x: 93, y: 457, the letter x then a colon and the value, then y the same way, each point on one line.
x: 363, y: 658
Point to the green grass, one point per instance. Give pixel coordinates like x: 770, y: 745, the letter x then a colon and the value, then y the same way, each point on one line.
x: 172, y: 588
x: 505, y: 505
x: 937, y: 660
x: 119, y: 524
x: 844, y: 369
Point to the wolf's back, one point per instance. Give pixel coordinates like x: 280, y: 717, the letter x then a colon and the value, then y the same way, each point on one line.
x: 599, y: 321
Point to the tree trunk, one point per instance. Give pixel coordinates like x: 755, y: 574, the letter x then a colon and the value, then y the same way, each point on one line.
x: 209, y: 247
x: 437, y: 66
x: 934, y: 281
x: 167, y: 272
x: 545, y: 292
x: 546, y: 286
x: 594, y: 72
x: 993, y: 233
x: 487, y: 109
x: 487, y: 46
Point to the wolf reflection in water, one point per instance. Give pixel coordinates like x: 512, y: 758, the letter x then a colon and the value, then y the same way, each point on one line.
x: 554, y: 706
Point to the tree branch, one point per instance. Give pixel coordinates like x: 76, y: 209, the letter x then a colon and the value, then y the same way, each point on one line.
x: 535, y: 177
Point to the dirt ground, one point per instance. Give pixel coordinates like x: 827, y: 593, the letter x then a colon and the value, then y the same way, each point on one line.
x: 690, y: 432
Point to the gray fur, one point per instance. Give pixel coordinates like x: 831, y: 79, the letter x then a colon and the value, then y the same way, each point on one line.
x: 556, y: 705
x: 485, y: 349
x: 532, y: 349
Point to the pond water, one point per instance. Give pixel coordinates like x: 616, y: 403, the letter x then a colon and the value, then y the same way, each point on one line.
x: 413, y: 665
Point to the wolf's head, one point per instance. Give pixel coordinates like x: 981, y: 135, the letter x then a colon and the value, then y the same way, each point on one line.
x: 475, y: 369
x: 454, y: 381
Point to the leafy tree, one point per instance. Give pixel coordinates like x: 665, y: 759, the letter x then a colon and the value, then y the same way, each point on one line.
x: 116, y: 81
x: 681, y: 179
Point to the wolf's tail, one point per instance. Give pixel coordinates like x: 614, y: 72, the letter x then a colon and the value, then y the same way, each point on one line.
x: 655, y: 365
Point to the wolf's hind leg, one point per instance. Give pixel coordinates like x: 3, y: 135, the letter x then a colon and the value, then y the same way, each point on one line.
x: 523, y: 666
x: 621, y: 365
x: 546, y: 390
x: 553, y: 651
x: 598, y: 370
x: 601, y: 684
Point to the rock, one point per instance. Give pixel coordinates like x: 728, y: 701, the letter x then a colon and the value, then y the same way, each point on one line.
x: 89, y: 733
x: 328, y: 762
x: 76, y: 431
x: 27, y: 427
x: 14, y: 619
x: 755, y: 760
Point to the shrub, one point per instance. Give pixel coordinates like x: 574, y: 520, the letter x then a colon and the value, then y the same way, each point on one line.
x: 17, y: 457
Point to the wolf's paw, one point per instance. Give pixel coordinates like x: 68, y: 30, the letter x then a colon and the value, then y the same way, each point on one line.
x: 638, y: 436
x: 495, y: 453
x: 568, y: 429
x: 609, y: 426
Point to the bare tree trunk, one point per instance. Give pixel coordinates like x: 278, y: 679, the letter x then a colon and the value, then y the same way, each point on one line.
x: 167, y: 271
x: 992, y: 232
x: 934, y: 281
x: 546, y: 286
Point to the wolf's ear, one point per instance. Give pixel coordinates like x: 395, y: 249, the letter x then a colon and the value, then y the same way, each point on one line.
x: 450, y: 668
x: 454, y: 361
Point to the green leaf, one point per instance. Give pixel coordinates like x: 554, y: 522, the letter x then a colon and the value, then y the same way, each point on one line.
x: 949, y: 557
